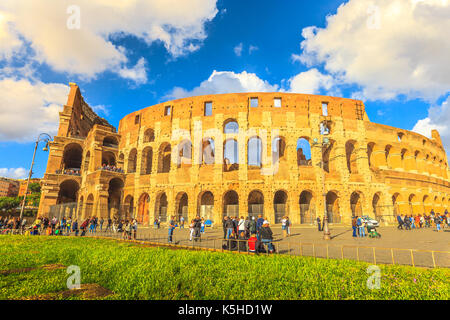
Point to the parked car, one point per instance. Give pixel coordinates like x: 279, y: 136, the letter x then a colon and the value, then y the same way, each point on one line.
x: 370, y: 222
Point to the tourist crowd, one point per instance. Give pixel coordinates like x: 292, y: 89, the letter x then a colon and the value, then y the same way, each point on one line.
x: 112, y: 168
x: 418, y: 221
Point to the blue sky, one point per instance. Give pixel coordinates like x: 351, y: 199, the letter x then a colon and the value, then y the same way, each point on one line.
x: 252, y: 45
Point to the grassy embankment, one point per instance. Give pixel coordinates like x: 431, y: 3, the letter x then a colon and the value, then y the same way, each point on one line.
x: 131, y: 271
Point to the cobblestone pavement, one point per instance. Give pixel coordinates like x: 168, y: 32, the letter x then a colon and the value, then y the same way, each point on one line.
x: 307, y: 240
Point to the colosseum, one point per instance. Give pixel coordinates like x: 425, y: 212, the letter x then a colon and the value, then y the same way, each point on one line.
x: 242, y: 154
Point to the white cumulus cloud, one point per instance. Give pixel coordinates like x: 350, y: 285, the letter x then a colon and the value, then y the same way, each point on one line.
x: 28, y: 108
x: 88, y: 51
x: 312, y: 82
x: 225, y: 82
x: 13, y: 173
x: 438, y: 119
x: 386, y: 47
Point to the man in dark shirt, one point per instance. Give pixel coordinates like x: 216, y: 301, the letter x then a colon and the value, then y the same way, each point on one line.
x: 197, y: 227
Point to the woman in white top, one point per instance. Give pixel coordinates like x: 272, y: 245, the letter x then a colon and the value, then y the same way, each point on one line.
x: 241, y: 225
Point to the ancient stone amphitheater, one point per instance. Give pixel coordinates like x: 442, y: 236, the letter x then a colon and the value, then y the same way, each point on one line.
x: 242, y: 154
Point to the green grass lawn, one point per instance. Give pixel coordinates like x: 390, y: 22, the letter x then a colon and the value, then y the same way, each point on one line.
x: 135, y: 272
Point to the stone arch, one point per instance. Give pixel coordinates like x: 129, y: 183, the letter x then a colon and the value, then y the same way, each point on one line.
x: 356, y: 203
x: 161, y: 206
x: 68, y: 191
x: 149, y: 135
x: 164, y: 157
x: 387, y: 153
x: 132, y: 161
x: 205, y: 207
x: 304, y: 152
x: 376, y: 206
x: 184, y: 156
x: 147, y: 161
x: 351, y: 156
x: 230, y: 126
x: 307, y: 208
x: 397, y: 202
x: 89, y: 206
x: 87, y: 160
x: 280, y: 205
x: 72, y: 157
x: 110, y: 141
x: 108, y: 158
x: 329, y: 157
x: 254, y: 152
x: 278, y: 149
x: 231, y: 155
x: 115, y: 191
x: 208, y: 151
x: 128, y: 207
x: 370, y: 149
x: 255, y: 203
x: 411, y: 203
x: 427, y: 205
x: 231, y: 203
x: 143, y: 215
x: 182, y: 206
x: 332, y: 207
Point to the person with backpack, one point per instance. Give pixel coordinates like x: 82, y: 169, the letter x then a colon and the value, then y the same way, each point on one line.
x: 229, y: 225
x: 252, y: 226
x: 171, y: 228
x: 360, y: 225
x: 197, y: 228
x: 354, y: 227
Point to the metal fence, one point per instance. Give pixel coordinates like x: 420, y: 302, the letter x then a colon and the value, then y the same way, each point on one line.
x: 375, y: 255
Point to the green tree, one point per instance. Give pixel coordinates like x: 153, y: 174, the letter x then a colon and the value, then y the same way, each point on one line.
x: 34, y: 187
x: 9, y: 203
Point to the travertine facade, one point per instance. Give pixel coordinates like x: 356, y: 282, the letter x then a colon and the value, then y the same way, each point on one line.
x: 240, y: 154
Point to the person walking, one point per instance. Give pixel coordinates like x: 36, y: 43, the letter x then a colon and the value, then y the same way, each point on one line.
x: 400, y: 222
x: 181, y: 222
x: 407, y: 223
x: 197, y: 228
x: 224, y: 220
x: 75, y: 227
x: 101, y: 224
x: 437, y: 221
x: 283, y: 227
x: 288, y: 226
x: 171, y: 228
x: 354, y: 226
x: 319, y: 224
x: 202, y: 228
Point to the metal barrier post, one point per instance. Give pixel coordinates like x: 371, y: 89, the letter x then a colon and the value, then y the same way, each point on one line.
x: 342, y: 252
x: 392, y: 255
x: 434, y: 262
x: 412, y: 257
x: 374, y: 256
x: 301, y: 249
x: 357, y: 253
x: 327, y: 251
x: 314, y: 251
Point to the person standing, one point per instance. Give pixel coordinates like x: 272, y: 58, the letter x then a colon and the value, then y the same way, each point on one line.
x: 181, y: 222
x: 360, y: 225
x: 224, y: 220
x: 283, y: 226
x: 319, y: 224
x: 259, y: 223
x: 101, y: 224
x: 354, y: 226
x: 202, y: 228
x: 171, y: 228
x: 400, y: 222
x: 191, y: 230
x: 197, y: 228
x: 252, y: 226
x: 437, y: 221
x: 229, y: 226
x: 241, y: 226
x: 75, y: 227
x: 288, y: 226
x: 135, y: 227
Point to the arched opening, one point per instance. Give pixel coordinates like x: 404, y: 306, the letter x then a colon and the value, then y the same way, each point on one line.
x: 110, y: 142
x: 356, y: 204
x: 80, y: 208
x: 108, y: 159
x: 89, y: 206
x: 307, y: 209
x: 332, y: 204
x: 128, y: 208
x: 208, y: 151
x: 114, y: 199
x: 147, y: 161
x: 184, y: 154
x: 143, y: 215
x: 427, y: 206
x: 132, y: 161
x: 87, y: 160
x: 231, y: 204
x: 278, y: 149
x: 230, y: 126
x: 280, y: 205
x: 72, y: 157
x: 255, y: 204
x: 254, y: 153
x: 328, y: 157
x: 206, y: 205
x: 387, y: 151
x: 164, y: 160
x: 303, y: 152
x: 396, y: 201
x: 350, y: 152
x: 376, y: 206
x: 182, y: 206
x: 161, y: 207
x: 149, y: 135
x: 230, y: 155
x: 411, y: 203
x: 68, y: 191
x: 370, y: 147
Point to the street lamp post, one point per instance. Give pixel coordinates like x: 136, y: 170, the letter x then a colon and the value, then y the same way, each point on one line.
x: 324, y: 142
x: 46, y: 138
